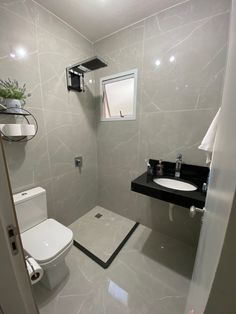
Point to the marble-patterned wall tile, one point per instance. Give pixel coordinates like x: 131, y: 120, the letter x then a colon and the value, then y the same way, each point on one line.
x: 21, y: 8
x: 54, y: 25
x: 67, y: 120
x: 74, y: 193
x: 16, y: 34
x: 55, y: 54
x: 114, y: 190
x: 184, y: 72
x: 191, y: 11
x: 26, y: 72
x: 122, y: 39
x: 66, y: 133
x: 28, y: 162
x: 178, y: 131
x: 117, y: 144
x: 177, y: 100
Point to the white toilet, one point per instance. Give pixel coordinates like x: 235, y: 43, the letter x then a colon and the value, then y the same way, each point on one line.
x: 46, y: 240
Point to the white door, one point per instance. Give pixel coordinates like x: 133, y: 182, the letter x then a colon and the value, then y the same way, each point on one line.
x: 221, y: 191
x: 15, y: 288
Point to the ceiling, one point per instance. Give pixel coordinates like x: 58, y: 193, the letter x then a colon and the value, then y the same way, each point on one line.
x: 96, y: 19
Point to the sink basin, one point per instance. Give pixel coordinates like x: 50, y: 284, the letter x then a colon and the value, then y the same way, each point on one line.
x: 175, y: 184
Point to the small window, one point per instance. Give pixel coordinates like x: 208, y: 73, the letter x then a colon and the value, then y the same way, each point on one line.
x: 118, y: 96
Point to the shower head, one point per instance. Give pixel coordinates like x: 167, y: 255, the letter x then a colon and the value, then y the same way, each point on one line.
x: 75, y: 73
x: 94, y: 63
x: 88, y: 65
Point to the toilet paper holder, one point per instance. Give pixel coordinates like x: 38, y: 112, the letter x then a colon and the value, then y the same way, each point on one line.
x: 34, y: 270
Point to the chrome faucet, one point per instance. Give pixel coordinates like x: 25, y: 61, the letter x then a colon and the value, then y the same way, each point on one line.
x: 178, y: 165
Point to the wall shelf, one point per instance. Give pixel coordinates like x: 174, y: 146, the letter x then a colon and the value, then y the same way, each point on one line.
x: 14, y: 113
x: 18, y: 132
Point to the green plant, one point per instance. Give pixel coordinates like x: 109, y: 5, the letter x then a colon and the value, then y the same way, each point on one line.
x: 11, y: 89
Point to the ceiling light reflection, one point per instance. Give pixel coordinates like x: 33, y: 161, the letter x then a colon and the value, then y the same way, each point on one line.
x: 12, y: 55
x: 118, y: 293
x: 21, y: 52
x: 18, y: 53
x: 158, y: 62
x: 172, y: 59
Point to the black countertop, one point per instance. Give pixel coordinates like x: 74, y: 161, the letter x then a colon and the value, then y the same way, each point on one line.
x: 196, y: 175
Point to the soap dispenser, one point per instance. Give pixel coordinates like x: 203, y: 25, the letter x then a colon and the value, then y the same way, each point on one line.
x: 149, y: 168
x: 159, y: 168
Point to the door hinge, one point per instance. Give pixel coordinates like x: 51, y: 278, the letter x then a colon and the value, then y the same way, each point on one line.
x: 12, y: 232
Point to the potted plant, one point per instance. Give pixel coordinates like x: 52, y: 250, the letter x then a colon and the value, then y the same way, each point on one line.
x: 12, y: 95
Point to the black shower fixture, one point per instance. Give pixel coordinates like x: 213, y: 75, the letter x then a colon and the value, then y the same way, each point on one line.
x: 75, y: 73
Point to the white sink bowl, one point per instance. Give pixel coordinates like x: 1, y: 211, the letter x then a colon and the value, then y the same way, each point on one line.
x: 175, y: 184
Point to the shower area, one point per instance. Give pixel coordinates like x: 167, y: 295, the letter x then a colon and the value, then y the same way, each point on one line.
x: 128, y: 255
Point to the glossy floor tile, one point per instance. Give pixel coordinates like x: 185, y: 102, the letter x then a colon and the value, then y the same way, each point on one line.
x: 150, y: 275
x: 101, y: 231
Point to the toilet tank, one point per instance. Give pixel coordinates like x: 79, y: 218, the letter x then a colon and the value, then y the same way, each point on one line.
x: 31, y: 208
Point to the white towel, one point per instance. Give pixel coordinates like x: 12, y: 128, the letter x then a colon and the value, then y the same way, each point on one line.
x: 209, y: 139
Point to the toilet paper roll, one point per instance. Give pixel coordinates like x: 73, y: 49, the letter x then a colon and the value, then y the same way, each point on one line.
x: 17, y: 129
x: 34, y: 270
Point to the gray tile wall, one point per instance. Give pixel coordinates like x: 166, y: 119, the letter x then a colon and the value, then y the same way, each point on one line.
x: 67, y: 121
x: 176, y: 103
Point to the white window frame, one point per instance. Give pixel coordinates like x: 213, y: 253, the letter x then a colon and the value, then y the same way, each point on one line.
x: 114, y: 78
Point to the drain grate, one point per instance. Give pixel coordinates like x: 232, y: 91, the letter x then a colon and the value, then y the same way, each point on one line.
x: 98, y: 215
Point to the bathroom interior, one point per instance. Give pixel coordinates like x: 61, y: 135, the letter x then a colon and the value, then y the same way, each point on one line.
x: 110, y: 171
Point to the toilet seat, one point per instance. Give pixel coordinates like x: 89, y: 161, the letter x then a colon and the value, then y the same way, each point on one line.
x: 47, y: 241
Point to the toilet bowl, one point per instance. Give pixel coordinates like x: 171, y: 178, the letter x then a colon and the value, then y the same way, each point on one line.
x: 46, y: 240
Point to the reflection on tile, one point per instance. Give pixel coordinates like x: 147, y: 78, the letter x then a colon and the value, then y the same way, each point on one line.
x: 118, y: 293
x: 150, y: 275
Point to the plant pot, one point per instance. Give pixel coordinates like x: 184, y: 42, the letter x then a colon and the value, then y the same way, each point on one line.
x: 13, y: 105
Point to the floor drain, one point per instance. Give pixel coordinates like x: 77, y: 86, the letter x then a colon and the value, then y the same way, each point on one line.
x: 98, y: 215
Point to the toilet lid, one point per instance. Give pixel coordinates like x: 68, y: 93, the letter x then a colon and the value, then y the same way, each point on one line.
x: 46, y: 240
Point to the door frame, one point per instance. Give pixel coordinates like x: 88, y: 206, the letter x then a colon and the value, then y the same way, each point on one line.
x: 16, y: 291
